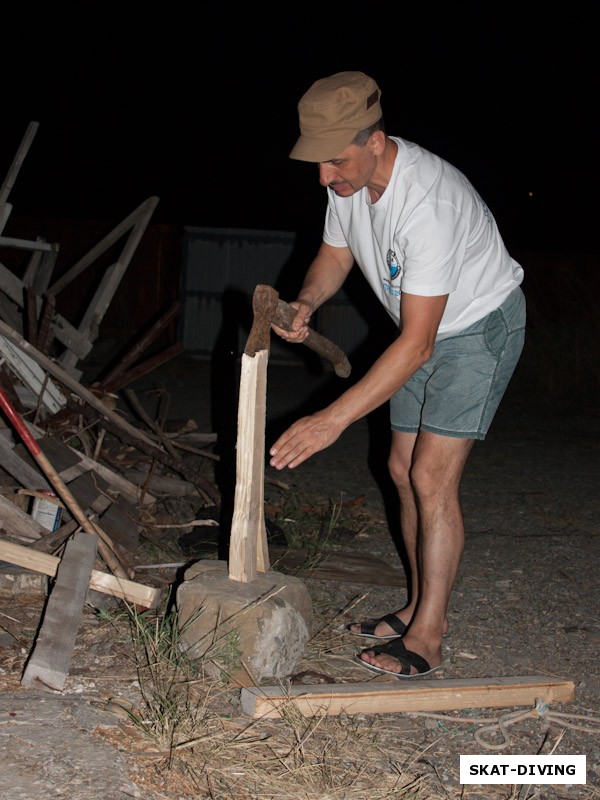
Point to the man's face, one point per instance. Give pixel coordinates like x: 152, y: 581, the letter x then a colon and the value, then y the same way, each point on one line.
x: 350, y: 171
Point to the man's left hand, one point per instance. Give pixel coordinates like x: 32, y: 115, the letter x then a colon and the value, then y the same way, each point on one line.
x: 303, y: 439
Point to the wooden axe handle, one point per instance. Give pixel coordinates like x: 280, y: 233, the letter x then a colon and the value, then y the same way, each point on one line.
x: 283, y: 318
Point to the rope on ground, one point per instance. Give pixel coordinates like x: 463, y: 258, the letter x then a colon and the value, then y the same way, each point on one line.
x: 500, y: 724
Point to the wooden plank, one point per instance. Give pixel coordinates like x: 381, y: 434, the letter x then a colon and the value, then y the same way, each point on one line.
x: 133, y: 592
x: 146, y: 366
x: 68, y: 335
x: 115, y: 480
x: 397, y: 696
x: 50, y: 659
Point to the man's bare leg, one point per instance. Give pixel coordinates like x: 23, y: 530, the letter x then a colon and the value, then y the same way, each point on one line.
x: 399, y: 465
x: 435, y: 545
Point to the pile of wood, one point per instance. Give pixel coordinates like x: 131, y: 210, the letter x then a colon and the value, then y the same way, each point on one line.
x: 60, y: 439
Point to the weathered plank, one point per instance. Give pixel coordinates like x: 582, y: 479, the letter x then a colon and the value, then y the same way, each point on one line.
x: 51, y: 656
x: 397, y: 696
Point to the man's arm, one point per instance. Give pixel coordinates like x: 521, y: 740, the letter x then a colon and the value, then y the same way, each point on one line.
x: 421, y: 318
x: 324, y: 277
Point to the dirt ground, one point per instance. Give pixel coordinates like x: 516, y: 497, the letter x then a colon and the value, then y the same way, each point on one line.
x: 525, y: 603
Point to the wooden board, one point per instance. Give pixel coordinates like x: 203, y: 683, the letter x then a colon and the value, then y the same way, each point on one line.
x: 133, y: 592
x: 50, y: 659
x: 396, y: 696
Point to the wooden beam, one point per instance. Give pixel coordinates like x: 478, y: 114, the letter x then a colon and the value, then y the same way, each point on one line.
x: 135, y: 593
x: 396, y: 696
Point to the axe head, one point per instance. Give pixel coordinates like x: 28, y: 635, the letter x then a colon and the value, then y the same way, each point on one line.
x: 264, y: 306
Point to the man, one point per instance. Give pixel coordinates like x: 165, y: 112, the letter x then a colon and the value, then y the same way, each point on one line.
x: 430, y: 249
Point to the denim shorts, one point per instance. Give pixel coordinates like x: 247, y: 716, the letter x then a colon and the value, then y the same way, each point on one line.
x: 458, y: 390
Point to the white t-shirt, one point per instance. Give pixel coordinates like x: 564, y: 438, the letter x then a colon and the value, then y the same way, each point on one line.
x: 430, y: 233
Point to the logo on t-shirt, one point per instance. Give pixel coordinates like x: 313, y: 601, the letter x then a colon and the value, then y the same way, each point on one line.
x: 393, y: 265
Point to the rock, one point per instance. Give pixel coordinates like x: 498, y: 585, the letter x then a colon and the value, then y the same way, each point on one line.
x: 243, y: 631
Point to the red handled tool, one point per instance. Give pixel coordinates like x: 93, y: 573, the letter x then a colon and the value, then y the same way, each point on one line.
x: 105, y: 546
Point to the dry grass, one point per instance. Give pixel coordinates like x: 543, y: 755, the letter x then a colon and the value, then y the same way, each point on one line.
x: 189, y: 739
x: 189, y: 733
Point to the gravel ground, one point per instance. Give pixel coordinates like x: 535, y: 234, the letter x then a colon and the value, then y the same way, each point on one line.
x: 525, y: 601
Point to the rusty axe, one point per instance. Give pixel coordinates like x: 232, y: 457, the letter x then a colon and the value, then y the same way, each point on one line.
x: 267, y: 304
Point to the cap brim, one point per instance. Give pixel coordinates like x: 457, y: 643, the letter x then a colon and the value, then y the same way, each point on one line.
x: 320, y: 149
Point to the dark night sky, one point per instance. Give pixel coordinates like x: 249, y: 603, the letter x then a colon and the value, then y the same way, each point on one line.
x: 200, y: 110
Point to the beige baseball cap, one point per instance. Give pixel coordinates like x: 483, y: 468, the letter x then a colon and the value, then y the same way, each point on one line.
x: 332, y: 112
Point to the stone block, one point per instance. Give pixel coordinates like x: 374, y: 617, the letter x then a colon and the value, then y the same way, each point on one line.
x: 243, y: 631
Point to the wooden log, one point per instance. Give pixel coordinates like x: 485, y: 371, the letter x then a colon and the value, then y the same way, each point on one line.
x: 49, y: 661
x: 135, y: 593
x: 396, y: 696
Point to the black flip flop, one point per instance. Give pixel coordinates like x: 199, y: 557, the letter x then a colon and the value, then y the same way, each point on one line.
x: 406, y: 658
x: 368, y: 628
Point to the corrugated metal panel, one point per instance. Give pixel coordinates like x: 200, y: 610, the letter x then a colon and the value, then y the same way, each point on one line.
x: 221, y: 268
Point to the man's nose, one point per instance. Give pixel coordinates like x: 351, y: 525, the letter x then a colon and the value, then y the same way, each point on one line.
x: 326, y: 174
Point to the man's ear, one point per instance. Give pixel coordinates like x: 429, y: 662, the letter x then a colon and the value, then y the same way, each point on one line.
x: 377, y: 142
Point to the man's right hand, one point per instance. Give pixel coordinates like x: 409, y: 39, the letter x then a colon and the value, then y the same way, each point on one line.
x: 299, y: 330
